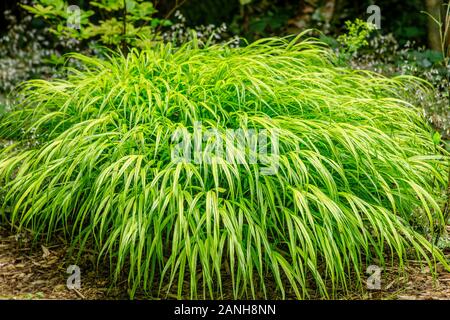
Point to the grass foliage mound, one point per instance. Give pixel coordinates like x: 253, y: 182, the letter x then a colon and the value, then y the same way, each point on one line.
x: 357, y: 175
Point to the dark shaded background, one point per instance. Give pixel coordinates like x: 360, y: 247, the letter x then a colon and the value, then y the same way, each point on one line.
x: 277, y: 17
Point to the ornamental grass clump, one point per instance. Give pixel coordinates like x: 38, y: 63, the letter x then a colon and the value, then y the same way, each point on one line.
x: 353, y: 175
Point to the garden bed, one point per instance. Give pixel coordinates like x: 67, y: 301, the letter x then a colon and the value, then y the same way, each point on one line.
x: 40, y: 273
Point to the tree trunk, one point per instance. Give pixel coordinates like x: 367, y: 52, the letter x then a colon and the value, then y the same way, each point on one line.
x: 434, y: 8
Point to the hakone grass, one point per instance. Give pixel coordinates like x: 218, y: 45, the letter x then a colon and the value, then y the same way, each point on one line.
x: 359, y: 177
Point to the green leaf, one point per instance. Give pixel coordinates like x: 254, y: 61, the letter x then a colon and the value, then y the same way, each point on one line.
x: 436, y: 138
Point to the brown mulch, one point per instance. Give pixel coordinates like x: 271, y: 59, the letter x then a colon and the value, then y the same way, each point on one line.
x: 420, y: 285
x: 416, y: 282
x: 28, y: 272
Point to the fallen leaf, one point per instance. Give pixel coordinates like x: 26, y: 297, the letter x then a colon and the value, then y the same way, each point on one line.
x: 45, y: 251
